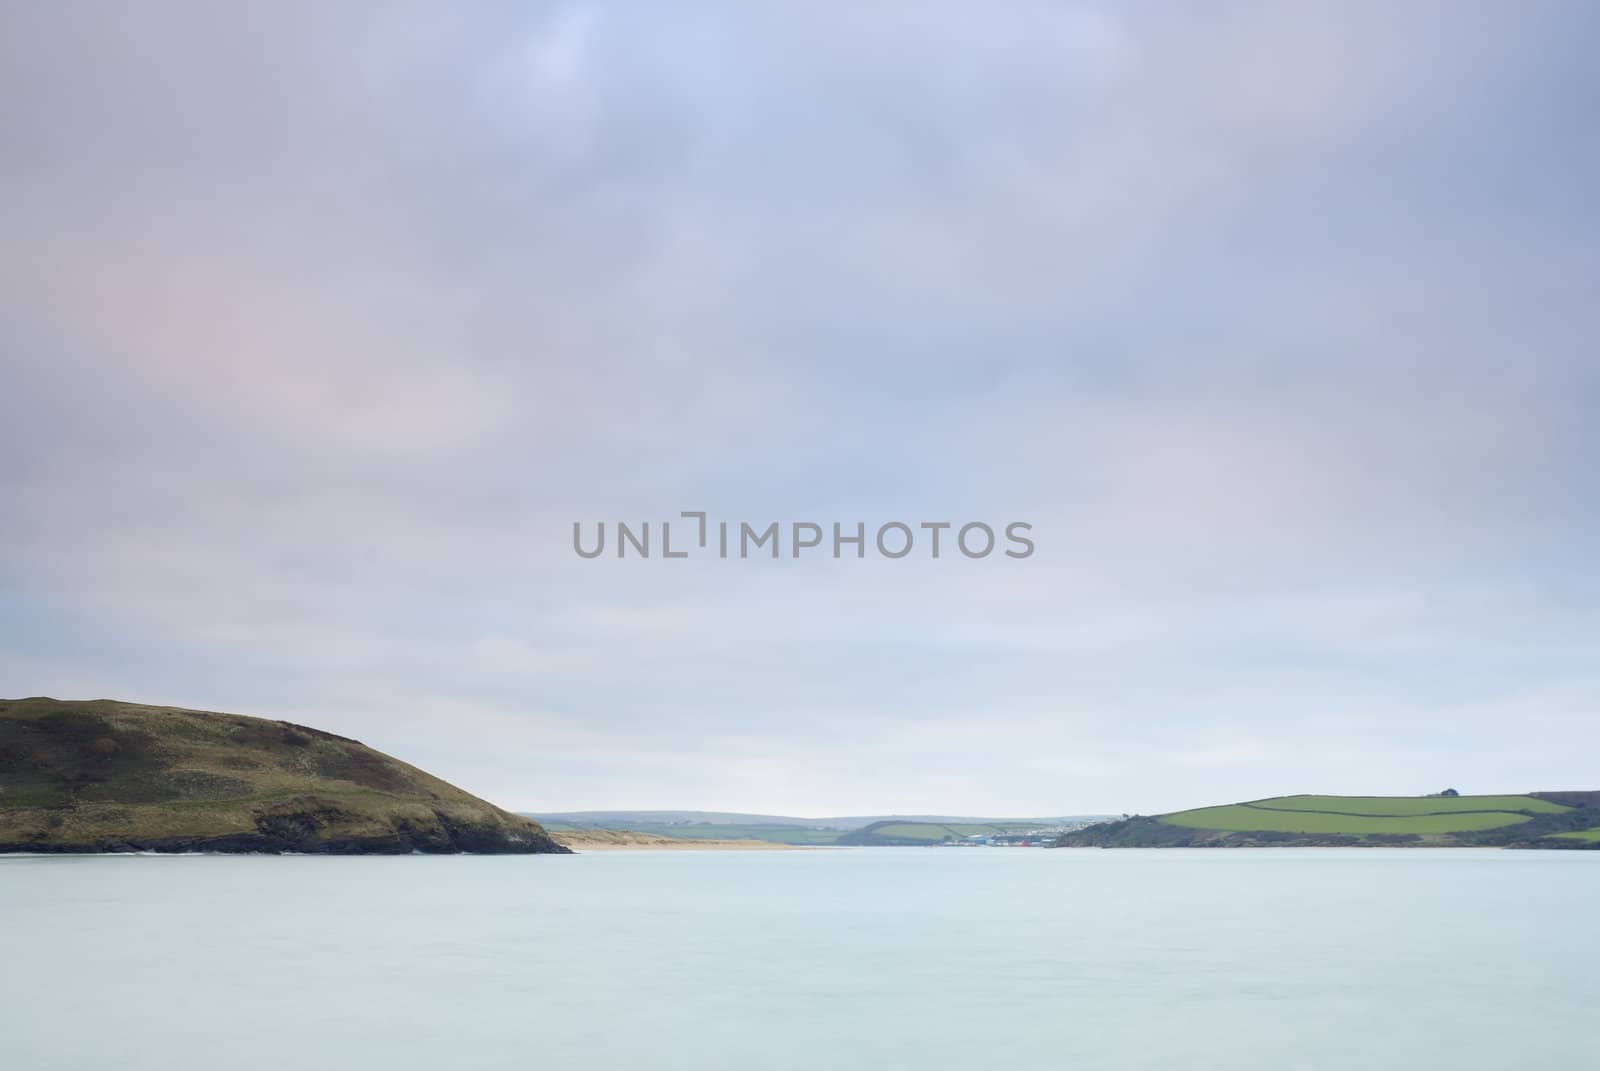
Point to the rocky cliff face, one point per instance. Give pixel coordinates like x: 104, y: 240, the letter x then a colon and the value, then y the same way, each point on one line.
x: 106, y: 776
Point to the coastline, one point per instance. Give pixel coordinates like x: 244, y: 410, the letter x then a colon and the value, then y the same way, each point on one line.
x: 622, y: 840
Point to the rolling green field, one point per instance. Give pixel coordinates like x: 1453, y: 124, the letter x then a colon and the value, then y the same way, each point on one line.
x: 1390, y: 806
x: 1362, y: 816
x: 1581, y: 834
x: 1243, y: 818
x: 1538, y: 820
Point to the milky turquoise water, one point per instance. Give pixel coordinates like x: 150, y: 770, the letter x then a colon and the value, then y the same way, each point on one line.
x: 875, y: 958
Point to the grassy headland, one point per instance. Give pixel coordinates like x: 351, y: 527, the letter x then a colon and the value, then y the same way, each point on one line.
x: 105, y: 776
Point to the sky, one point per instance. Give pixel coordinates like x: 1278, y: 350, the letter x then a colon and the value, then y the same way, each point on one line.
x: 321, y: 326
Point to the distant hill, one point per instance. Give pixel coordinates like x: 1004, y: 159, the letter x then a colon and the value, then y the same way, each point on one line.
x: 104, y: 776
x: 1535, y: 820
x: 785, y: 829
x: 900, y: 832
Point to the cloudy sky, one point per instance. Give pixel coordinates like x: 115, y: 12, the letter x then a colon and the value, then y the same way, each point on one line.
x: 319, y: 328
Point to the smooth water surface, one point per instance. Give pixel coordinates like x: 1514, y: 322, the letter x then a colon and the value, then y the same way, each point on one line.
x: 873, y: 958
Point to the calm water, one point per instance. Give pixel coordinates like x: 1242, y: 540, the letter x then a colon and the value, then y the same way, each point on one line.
x: 876, y: 958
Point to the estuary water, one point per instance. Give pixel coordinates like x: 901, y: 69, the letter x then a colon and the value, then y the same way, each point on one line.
x: 916, y: 958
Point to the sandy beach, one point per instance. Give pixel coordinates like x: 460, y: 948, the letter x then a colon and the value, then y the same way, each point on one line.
x: 622, y: 840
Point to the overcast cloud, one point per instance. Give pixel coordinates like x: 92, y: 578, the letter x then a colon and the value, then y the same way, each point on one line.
x: 320, y: 325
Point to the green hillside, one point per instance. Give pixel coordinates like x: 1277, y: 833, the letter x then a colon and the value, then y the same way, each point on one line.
x: 1245, y: 817
x: 105, y: 776
x: 1407, y: 805
x: 1536, y: 820
x: 1584, y: 835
